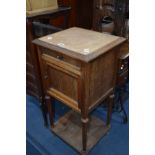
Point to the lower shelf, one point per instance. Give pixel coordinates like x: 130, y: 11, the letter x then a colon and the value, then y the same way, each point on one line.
x: 68, y: 128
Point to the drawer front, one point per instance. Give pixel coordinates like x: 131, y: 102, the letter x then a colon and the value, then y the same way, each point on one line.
x: 61, y: 57
x: 61, y: 65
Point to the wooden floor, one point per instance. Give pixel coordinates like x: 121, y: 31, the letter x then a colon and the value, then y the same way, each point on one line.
x: 68, y: 128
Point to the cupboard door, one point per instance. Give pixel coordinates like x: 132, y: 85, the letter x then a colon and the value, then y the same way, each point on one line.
x: 61, y: 80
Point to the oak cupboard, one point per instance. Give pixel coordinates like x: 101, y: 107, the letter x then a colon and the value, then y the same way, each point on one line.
x: 78, y: 68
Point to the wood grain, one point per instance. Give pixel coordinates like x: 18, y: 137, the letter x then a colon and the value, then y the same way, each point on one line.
x: 65, y: 99
x: 101, y: 75
x: 67, y: 85
x: 64, y: 57
x: 68, y: 128
x: 61, y: 64
x: 80, y: 81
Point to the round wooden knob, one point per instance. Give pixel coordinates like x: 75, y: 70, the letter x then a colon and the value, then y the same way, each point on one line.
x: 59, y: 57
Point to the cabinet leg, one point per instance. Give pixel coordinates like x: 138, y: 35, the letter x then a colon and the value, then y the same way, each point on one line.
x: 50, y: 107
x: 109, y: 112
x: 84, y: 133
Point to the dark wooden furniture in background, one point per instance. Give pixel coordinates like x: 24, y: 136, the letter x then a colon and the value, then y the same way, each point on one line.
x: 112, y: 16
x: 37, y: 25
x: 89, y: 13
x: 78, y: 68
x: 81, y: 13
x: 85, y: 14
x: 116, y: 9
x: 122, y: 80
x: 123, y: 65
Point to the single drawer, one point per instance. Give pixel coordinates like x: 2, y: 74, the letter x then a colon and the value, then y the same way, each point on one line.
x: 62, y: 66
x: 61, y: 57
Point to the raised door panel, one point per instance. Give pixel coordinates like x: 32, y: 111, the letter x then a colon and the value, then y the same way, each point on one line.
x: 63, y: 83
x: 61, y: 80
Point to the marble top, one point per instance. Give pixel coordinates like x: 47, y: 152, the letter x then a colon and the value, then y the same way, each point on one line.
x: 79, y: 43
x: 79, y: 40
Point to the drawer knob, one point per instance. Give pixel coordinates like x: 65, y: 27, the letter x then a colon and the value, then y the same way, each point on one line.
x: 59, y: 57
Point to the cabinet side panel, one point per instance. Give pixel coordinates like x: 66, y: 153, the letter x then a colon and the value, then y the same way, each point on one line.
x: 102, y: 73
